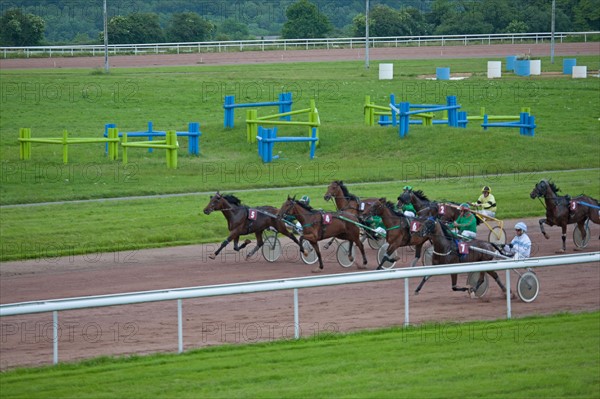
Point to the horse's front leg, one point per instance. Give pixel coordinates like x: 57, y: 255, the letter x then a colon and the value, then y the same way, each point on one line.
x: 259, y: 244
x: 417, y: 255
x: 542, y: 222
x: 388, y: 256
x: 223, y: 245
x: 421, y: 284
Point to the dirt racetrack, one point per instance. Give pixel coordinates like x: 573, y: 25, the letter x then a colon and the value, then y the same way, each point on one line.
x: 293, y: 56
x: 146, y: 328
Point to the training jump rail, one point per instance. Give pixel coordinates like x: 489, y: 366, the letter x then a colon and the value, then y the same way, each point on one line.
x: 284, y: 104
x: 193, y: 134
x: 267, y: 138
x: 253, y: 120
x: 56, y: 305
x: 25, y: 140
x: 170, y: 144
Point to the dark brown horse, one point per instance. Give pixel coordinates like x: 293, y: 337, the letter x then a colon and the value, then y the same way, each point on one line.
x: 242, y: 220
x: 398, y: 233
x: 447, y: 249
x: 564, y: 210
x: 319, y: 225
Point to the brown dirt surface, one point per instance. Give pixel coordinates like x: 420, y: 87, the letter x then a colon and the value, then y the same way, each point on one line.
x: 292, y: 56
x: 146, y: 328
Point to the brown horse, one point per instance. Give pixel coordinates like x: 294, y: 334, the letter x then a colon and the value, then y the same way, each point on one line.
x: 242, y: 220
x: 564, y: 210
x: 398, y: 233
x: 447, y: 249
x: 318, y: 225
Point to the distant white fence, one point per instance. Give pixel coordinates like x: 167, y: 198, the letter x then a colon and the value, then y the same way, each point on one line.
x: 290, y: 44
x: 294, y: 284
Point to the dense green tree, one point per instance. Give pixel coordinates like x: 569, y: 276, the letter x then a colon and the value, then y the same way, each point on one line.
x: 305, y: 21
x: 230, y: 29
x: 188, y: 27
x: 385, y: 21
x: 135, y: 28
x: 19, y: 29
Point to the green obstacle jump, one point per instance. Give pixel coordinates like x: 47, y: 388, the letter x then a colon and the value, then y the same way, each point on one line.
x: 253, y: 121
x: 170, y: 144
x: 25, y: 141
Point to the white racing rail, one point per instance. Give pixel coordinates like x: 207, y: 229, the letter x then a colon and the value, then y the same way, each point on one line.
x: 56, y: 305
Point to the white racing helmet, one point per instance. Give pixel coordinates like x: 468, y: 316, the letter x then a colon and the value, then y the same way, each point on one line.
x: 521, y: 226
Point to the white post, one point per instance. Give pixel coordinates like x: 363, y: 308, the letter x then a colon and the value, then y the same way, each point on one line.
x: 366, y: 34
x: 296, y: 318
x: 179, y: 327
x: 406, y: 307
x: 508, y: 307
x: 55, y: 337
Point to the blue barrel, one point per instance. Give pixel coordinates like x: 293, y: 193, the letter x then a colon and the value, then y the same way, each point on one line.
x: 568, y: 64
x: 522, y: 68
x: 510, y: 62
x: 442, y: 73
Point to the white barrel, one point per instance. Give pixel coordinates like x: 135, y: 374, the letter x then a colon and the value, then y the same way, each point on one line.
x: 494, y: 69
x: 535, y: 67
x: 580, y: 71
x: 386, y: 71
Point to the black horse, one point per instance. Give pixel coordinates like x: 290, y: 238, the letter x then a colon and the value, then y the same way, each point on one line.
x: 446, y: 249
x: 564, y: 210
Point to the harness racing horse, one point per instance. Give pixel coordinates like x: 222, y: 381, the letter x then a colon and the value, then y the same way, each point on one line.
x: 318, y: 225
x: 447, y: 250
x: 397, y: 231
x: 242, y: 220
x: 564, y: 210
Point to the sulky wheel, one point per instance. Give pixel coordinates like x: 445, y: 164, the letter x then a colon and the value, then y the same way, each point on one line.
x: 497, y: 236
x: 472, y: 279
x: 381, y: 252
x: 311, y: 256
x: 579, y: 241
x: 343, y: 254
x: 528, y: 286
x: 271, y: 248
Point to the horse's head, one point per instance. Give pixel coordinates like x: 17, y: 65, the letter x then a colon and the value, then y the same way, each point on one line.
x: 376, y: 208
x: 426, y: 228
x: 287, y: 208
x: 542, y: 188
x: 214, y: 203
x: 405, y: 197
x: 334, y: 190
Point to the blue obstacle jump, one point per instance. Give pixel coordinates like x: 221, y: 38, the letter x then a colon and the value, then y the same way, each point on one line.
x: 284, y: 104
x: 267, y: 138
x: 193, y: 135
x: 526, y: 124
x: 402, y: 113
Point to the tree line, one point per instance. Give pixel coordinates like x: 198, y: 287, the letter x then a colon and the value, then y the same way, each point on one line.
x: 27, y: 22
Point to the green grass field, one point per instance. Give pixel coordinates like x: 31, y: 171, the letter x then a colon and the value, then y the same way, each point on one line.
x: 550, y: 357
x: 445, y: 163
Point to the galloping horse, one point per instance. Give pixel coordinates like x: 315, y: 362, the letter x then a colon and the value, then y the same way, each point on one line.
x: 446, y: 250
x: 345, y: 201
x: 397, y: 231
x: 564, y: 210
x: 317, y: 225
x: 242, y: 220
